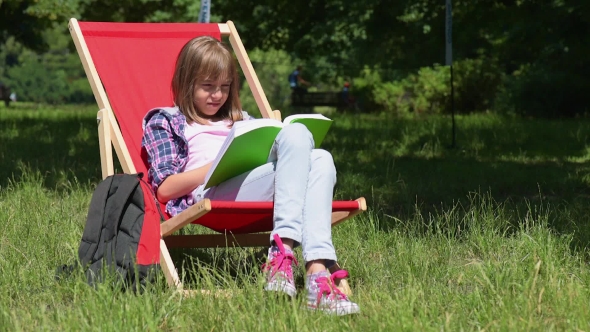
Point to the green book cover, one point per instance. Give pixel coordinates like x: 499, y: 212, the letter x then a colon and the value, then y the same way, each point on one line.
x: 248, y: 144
x: 318, y: 129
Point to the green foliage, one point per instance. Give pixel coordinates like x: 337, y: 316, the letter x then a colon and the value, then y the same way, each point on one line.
x: 426, y: 91
x: 33, y: 81
x: 363, y: 87
x: 53, y: 9
x: 401, y: 37
x: 293, y: 26
x: 272, y: 68
x: 530, y: 50
x: 27, y: 20
x: 53, y: 77
x: 476, y: 83
x: 542, y: 92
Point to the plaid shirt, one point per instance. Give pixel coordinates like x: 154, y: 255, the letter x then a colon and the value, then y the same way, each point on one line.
x: 167, y: 149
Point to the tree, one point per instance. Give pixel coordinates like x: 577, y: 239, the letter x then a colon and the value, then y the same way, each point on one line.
x: 26, y: 20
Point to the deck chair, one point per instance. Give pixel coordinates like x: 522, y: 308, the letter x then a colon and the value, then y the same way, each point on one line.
x: 130, y: 67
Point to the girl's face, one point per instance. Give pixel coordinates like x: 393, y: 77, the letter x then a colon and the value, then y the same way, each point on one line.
x: 210, y: 95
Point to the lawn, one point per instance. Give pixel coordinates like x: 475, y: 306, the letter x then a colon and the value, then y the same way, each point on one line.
x: 490, y: 235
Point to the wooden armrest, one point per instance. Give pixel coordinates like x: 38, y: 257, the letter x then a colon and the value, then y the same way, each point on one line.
x: 187, y: 216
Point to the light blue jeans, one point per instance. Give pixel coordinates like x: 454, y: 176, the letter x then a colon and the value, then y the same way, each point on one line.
x: 300, y: 180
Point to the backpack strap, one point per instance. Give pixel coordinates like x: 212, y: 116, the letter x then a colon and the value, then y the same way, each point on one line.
x: 119, y: 202
x: 94, y: 220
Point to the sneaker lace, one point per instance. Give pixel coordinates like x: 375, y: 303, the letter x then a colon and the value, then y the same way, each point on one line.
x: 327, y: 286
x: 282, y: 261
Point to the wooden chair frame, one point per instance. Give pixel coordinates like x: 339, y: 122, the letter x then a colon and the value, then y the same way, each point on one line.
x: 110, y: 136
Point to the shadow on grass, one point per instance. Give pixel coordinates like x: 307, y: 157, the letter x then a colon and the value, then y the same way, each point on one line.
x: 63, y: 150
x: 399, y: 165
x: 405, y: 165
x: 242, y: 265
x: 517, y: 160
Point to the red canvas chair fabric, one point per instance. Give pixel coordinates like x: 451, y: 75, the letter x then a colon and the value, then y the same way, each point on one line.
x: 130, y: 67
x: 135, y: 62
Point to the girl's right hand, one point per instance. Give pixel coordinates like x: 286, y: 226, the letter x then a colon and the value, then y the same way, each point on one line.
x: 182, y: 184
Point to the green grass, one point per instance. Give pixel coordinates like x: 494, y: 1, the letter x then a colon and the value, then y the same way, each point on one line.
x: 491, y: 235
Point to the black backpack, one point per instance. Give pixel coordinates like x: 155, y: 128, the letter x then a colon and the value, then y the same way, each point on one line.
x: 122, y: 232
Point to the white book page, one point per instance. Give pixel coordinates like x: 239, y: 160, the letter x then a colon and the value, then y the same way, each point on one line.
x: 290, y: 118
x: 242, y: 127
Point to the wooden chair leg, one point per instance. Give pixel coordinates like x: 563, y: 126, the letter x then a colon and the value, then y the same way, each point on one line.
x: 168, y: 267
x: 341, y: 284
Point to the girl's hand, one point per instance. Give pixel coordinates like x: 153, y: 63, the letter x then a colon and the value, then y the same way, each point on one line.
x: 182, y: 184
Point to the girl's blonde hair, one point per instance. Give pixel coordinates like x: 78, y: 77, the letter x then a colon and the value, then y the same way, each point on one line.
x: 205, y: 58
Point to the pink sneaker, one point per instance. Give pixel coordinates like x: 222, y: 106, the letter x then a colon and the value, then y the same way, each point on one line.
x: 280, y: 269
x: 322, y: 294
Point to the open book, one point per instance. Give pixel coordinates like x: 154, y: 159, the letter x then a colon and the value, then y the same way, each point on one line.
x: 248, y: 144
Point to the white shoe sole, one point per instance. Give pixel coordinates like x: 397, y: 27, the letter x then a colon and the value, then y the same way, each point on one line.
x: 276, y: 287
x: 338, y: 311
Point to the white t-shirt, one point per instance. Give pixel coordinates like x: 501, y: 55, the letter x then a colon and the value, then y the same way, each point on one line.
x: 204, y: 142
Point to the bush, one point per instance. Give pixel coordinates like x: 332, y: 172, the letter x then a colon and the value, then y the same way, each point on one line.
x: 272, y: 69
x: 33, y: 81
x: 427, y: 91
x: 542, y: 92
x: 476, y: 83
x: 38, y: 80
x: 54, y: 77
x: 363, y: 90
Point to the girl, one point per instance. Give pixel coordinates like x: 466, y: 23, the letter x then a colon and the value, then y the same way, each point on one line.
x: 182, y: 142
